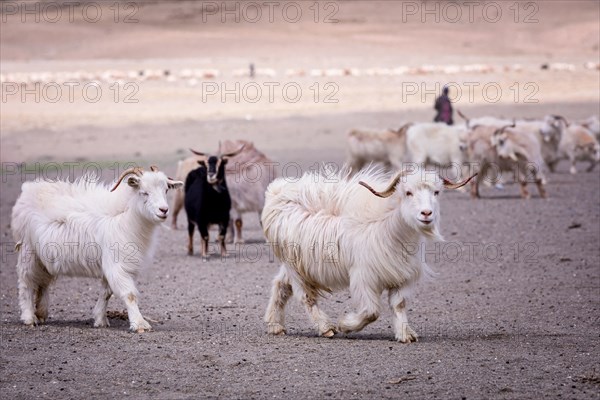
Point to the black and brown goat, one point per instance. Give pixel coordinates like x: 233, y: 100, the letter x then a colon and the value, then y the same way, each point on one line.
x: 207, y: 199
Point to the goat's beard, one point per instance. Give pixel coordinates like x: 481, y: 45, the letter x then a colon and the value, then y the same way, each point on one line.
x: 431, y: 231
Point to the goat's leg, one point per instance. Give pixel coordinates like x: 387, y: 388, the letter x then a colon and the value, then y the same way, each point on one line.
x: 404, y: 333
x: 541, y: 188
x: 204, y: 235
x: 177, y: 205
x: 42, y: 300
x: 522, y: 178
x: 123, y: 286
x: 320, y: 319
x: 369, y: 307
x: 475, y: 188
x: 221, y: 238
x: 592, y: 166
x: 31, y: 274
x: 573, y: 161
x: 524, y: 192
x: 281, y: 292
x: 27, y: 292
x: 191, y: 228
x: 100, y: 318
x: 238, y: 230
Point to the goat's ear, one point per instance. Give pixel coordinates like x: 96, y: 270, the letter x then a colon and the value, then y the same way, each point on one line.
x: 174, y: 184
x: 225, y: 159
x: 133, y: 181
x: 202, y: 163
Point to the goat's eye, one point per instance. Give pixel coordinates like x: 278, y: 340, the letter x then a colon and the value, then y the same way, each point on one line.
x: 408, y: 194
x: 144, y: 193
x: 436, y: 192
x: 501, y: 141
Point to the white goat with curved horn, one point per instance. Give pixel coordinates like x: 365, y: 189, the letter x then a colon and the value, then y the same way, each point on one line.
x: 84, y: 229
x: 332, y: 236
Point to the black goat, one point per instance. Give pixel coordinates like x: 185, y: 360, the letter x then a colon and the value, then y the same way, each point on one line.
x: 207, y: 199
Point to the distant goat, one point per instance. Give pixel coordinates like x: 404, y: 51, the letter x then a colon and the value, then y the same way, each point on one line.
x: 248, y: 175
x: 56, y: 224
x: 506, y: 149
x: 207, y: 199
x: 366, y: 146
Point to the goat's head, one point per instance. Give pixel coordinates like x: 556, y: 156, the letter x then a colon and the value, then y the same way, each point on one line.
x: 417, y: 193
x: 502, y: 143
x: 215, y: 165
x: 553, y: 128
x: 150, y: 189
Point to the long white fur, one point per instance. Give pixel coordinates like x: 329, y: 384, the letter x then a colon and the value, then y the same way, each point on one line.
x: 426, y: 142
x: 437, y: 143
x: 331, y: 236
x: 366, y: 146
x: 59, y: 226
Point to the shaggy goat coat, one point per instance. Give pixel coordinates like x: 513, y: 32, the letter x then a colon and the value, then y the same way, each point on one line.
x: 331, y: 233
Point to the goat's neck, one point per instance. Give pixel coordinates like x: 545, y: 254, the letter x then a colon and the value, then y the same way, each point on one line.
x: 140, y: 229
x: 400, y: 232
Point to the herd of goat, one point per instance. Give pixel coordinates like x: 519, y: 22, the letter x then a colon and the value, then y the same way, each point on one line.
x: 356, y: 231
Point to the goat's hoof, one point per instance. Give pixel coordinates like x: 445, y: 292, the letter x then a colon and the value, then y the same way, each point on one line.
x: 190, y: 253
x: 140, y: 327
x: 240, y: 241
x: 407, y: 336
x: 31, y: 321
x: 276, y: 329
x: 102, y: 323
x: 330, y: 333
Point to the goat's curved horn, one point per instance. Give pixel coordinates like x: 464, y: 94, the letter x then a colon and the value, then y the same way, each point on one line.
x: 134, y: 170
x: 198, y: 153
x: 502, y: 129
x: 463, y: 116
x: 452, y: 185
x: 153, y: 168
x: 561, y: 118
x: 389, y: 190
x: 235, y: 153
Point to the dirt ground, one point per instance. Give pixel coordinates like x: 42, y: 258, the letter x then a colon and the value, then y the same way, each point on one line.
x: 513, y: 311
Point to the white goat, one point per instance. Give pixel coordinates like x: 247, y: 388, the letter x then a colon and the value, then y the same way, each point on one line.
x: 506, y: 149
x: 579, y: 144
x: 248, y: 174
x: 549, y: 130
x: 84, y: 229
x: 434, y: 143
x: 366, y: 146
x: 345, y: 234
